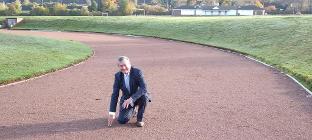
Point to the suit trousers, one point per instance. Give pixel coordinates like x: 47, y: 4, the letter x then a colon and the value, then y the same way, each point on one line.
x: 126, y: 114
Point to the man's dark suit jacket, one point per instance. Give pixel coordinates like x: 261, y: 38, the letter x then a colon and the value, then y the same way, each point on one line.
x: 137, y: 87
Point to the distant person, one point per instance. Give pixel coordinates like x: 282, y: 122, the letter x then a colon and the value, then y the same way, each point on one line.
x: 131, y: 82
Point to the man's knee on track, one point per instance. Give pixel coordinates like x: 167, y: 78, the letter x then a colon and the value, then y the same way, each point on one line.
x: 123, y: 120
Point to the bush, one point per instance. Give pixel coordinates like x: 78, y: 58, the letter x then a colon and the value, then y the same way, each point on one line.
x: 60, y: 9
x: 25, y: 13
x: 74, y: 12
x: 96, y: 13
x: 271, y: 9
x: 84, y: 11
x: 154, y: 10
x: 39, y: 11
x: 74, y: 6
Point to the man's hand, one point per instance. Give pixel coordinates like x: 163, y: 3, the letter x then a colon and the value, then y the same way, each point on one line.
x: 110, y: 120
x: 126, y: 103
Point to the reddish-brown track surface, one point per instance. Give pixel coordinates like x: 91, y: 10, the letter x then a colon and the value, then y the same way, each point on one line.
x: 198, y: 93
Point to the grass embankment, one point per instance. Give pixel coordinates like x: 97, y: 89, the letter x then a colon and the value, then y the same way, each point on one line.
x: 282, y: 41
x: 24, y: 57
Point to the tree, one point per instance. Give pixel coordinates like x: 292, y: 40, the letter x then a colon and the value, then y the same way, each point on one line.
x: 14, y: 9
x: 84, y: 11
x: 11, y: 11
x: 190, y: 2
x: 39, y: 11
x: 270, y: 9
x: 60, y: 9
x: 224, y: 2
x: 26, y: 2
x: 127, y: 7
x: 18, y: 7
x: 100, y: 5
x: 3, y: 9
x: 108, y: 5
x: 259, y: 4
x: 94, y: 6
x: 88, y: 2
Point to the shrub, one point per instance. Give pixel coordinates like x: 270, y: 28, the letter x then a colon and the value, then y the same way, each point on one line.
x: 84, y: 11
x: 96, y: 13
x: 39, y: 11
x: 74, y: 6
x: 25, y: 13
x: 74, y: 12
x: 154, y: 9
x: 60, y: 9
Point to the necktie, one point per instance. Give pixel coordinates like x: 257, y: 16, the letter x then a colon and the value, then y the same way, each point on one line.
x: 127, y: 81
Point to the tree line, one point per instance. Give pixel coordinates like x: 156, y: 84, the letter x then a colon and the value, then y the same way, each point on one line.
x: 129, y: 7
x: 89, y: 8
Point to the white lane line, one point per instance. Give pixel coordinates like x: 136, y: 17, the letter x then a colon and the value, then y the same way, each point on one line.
x: 291, y: 77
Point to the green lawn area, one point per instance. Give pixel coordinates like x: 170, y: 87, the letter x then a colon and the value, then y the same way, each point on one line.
x: 23, y: 57
x: 282, y: 41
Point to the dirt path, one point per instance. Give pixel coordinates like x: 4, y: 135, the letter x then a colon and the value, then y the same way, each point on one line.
x: 198, y: 93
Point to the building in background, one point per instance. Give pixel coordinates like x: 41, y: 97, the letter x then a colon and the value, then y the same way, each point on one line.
x: 249, y: 10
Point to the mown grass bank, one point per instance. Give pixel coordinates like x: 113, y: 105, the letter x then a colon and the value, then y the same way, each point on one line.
x: 24, y: 57
x: 282, y: 41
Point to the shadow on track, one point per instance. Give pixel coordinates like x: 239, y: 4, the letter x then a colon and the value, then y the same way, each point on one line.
x: 24, y: 130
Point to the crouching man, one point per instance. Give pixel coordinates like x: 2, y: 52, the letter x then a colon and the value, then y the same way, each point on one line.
x: 131, y: 82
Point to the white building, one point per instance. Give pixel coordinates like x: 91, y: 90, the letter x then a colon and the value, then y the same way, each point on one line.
x: 217, y: 11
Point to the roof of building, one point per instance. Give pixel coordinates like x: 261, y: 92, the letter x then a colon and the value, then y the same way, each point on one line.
x: 219, y: 7
x: 186, y: 7
x: 249, y: 7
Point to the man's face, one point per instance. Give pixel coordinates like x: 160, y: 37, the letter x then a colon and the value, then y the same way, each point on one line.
x: 124, y: 66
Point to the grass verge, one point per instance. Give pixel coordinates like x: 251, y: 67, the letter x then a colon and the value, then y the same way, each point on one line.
x: 24, y: 57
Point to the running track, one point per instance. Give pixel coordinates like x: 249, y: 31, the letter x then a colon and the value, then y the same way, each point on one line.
x: 198, y: 93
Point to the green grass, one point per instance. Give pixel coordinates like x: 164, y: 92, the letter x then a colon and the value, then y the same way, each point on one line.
x: 282, y: 41
x: 24, y: 57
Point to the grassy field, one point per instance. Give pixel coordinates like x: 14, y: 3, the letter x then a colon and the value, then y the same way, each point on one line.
x: 24, y: 57
x: 282, y: 41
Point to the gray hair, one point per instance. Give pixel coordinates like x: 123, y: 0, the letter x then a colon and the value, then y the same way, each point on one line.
x: 122, y: 58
